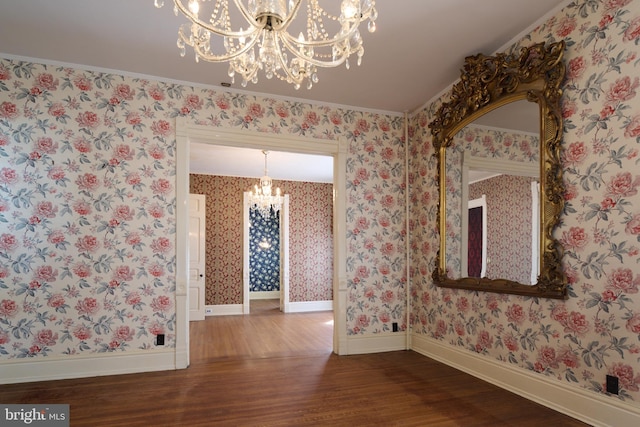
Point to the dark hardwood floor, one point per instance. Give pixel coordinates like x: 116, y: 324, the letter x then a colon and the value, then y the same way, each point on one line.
x: 271, y: 369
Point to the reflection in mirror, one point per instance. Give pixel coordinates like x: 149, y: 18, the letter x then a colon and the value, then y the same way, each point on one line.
x: 474, y: 238
x: 479, y: 131
x: 499, y: 213
x: 509, y: 192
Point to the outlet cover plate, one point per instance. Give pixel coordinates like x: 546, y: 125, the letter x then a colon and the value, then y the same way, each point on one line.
x: 612, y: 384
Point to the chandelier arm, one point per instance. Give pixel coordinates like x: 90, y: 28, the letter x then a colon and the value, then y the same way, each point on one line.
x: 364, y: 14
x: 317, y: 62
x: 248, y: 76
x: 207, y: 56
x: 286, y: 69
x: 355, y: 24
x: 233, y: 34
x: 322, y: 43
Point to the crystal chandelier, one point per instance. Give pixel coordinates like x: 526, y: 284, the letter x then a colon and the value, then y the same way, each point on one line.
x: 327, y: 39
x: 261, y: 197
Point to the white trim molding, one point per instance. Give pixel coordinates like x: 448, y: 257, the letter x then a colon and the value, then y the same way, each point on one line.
x: 91, y: 365
x: 182, y: 254
x: 576, y: 402
x: 294, y: 307
x: 223, y: 310
x: 308, y: 306
x: 256, y: 295
x: 378, y: 343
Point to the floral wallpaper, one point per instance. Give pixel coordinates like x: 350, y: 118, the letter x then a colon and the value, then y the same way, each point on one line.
x: 87, y: 187
x: 310, y: 238
x: 87, y: 208
x: 264, y: 252
x: 596, y: 330
x: 223, y: 241
x: 376, y: 232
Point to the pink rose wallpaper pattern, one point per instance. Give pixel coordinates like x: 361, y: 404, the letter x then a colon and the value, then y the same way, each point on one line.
x: 87, y: 204
x: 596, y: 330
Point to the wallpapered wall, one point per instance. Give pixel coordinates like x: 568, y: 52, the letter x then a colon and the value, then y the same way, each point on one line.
x: 509, y: 240
x: 310, y: 237
x: 596, y: 331
x: 264, y: 252
x: 87, y: 215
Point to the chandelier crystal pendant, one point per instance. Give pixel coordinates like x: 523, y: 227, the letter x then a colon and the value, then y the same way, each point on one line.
x: 261, y: 198
x: 263, y: 40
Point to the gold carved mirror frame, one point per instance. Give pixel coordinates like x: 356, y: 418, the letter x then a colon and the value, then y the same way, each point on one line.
x: 534, y: 74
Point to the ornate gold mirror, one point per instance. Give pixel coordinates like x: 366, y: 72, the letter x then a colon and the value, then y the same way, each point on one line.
x: 488, y: 85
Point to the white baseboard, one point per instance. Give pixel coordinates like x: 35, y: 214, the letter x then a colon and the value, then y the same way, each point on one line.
x: 223, y: 310
x: 307, y: 306
x: 92, y: 365
x: 292, y: 307
x: 584, y: 405
x: 264, y: 295
x: 379, y: 343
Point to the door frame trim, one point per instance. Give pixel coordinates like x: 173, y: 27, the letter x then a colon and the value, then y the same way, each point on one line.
x: 186, y: 133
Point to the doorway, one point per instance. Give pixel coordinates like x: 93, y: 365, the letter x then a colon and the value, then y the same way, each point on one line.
x: 186, y: 133
x: 265, y: 244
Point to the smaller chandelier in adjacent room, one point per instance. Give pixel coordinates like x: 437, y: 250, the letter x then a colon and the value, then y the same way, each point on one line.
x: 261, y: 198
x: 265, y: 37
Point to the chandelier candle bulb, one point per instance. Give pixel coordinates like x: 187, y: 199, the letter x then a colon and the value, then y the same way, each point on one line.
x: 332, y: 36
x: 194, y: 7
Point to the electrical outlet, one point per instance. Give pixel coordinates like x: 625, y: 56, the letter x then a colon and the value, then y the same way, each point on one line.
x: 394, y: 326
x: 612, y: 384
x: 160, y: 339
x: 208, y: 311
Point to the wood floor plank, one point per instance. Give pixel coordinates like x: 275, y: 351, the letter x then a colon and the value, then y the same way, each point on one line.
x: 271, y: 369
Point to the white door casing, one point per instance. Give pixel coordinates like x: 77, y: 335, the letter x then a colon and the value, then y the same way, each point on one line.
x: 246, y: 271
x: 197, y: 228
x: 284, y: 256
x: 185, y: 134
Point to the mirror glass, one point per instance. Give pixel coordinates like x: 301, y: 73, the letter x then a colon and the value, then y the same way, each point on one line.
x: 498, y: 144
x: 496, y: 158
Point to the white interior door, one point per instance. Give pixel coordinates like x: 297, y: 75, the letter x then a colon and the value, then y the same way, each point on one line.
x: 196, y: 256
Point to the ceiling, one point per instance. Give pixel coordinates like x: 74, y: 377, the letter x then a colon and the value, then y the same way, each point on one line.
x: 247, y: 162
x: 417, y: 50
